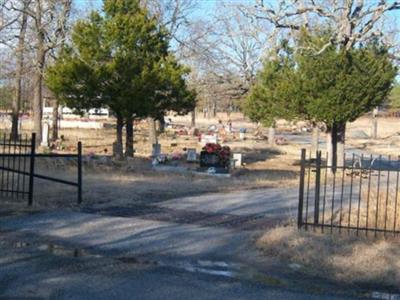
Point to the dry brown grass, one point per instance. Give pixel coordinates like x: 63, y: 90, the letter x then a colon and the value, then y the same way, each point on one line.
x: 344, y: 258
x: 371, y: 201
x: 388, y: 142
x: 123, y: 183
x: 377, y: 210
x: 134, y: 182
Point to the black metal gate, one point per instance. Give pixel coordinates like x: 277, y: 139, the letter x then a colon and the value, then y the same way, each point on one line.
x: 17, y: 168
x: 361, y: 195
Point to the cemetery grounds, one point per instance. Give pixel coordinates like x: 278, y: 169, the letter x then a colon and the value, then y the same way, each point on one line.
x: 134, y: 183
x: 110, y: 182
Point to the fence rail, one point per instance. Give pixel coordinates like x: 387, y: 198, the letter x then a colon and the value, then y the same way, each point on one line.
x: 17, y: 168
x: 359, y: 196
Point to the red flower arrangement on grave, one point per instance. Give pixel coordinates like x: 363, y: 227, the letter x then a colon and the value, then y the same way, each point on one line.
x: 223, y: 152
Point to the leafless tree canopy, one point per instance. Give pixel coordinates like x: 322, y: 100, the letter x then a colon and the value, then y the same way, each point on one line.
x: 223, y: 48
x: 350, y: 21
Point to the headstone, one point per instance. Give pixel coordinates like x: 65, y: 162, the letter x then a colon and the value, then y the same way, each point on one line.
x: 45, y: 135
x: 156, y: 150
x: 242, y: 132
x: 358, y: 134
x: 209, y: 138
x: 212, y: 128
x: 375, y: 112
x: 237, y: 159
x: 191, y: 155
x: 208, y: 160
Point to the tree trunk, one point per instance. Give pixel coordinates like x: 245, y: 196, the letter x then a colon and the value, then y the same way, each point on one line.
x: 152, y: 131
x: 271, y: 136
x: 129, y: 151
x: 118, y: 148
x: 38, y: 76
x: 228, y: 113
x: 315, y: 139
x: 329, y: 146
x: 37, y: 106
x: 337, y: 141
x: 16, y: 105
x: 341, y: 144
x: 55, y: 118
x: 161, y: 124
x: 214, y: 109
x: 193, y: 120
x: 374, y: 129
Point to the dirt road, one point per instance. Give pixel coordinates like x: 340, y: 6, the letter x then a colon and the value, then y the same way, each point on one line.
x: 194, y: 247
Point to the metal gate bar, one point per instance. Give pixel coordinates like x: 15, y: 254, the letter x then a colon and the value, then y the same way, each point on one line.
x: 14, y: 165
x: 360, y: 195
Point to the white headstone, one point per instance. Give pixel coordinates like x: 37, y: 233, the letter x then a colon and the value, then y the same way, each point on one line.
x: 206, y: 139
x: 237, y: 158
x: 375, y: 112
x: 45, y: 135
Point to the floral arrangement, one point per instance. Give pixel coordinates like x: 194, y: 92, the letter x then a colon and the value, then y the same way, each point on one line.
x: 223, y: 152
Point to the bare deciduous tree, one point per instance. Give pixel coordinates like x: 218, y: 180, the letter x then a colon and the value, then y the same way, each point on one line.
x: 224, y: 52
x: 175, y: 16
x: 7, y: 17
x: 350, y: 23
x: 49, y: 18
x: 16, y: 107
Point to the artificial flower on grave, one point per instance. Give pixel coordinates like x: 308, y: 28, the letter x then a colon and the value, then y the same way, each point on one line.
x: 223, y: 152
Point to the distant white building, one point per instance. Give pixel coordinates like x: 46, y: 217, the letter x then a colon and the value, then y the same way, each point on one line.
x: 104, y: 112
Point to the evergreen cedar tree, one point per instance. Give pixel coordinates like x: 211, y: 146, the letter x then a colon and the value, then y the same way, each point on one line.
x: 334, y: 87
x: 120, y: 59
x: 394, y: 98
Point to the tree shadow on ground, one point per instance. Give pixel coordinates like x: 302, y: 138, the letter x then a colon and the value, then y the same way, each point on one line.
x: 131, y: 182
x: 273, y: 174
x: 251, y: 155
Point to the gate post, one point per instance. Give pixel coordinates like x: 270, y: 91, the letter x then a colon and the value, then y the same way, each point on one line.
x: 79, y: 172
x: 32, y: 168
x: 301, y: 188
x: 317, y: 186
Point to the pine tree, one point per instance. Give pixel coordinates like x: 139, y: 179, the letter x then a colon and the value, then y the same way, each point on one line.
x: 339, y: 86
x: 334, y: 87
x: 270, y: 97
x: 275, y: 93
x: 119, y: 59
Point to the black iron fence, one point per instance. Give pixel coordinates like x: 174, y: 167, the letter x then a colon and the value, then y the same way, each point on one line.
x: 15, y: 161
x: 18, y: 172
x: 360, y: 195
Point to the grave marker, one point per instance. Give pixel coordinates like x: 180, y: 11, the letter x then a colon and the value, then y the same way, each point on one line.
x: 191, y: 155
x: 156, y: 150
x: 237, y: 159
x: 45, y: 135
x: 209, y: 138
